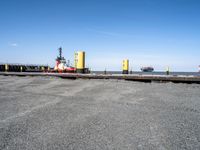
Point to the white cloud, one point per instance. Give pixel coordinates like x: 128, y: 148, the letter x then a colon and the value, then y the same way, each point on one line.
x: 14, y: 44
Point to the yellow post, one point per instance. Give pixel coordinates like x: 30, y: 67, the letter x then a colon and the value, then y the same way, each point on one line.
x: 21, y: 68
x: 75, y: 59
x: 167, y: 71
x: 43, y: 68
x: 48, y: 68
x: 79, y: 61
x: 6, y: 67
x: 125, y: 66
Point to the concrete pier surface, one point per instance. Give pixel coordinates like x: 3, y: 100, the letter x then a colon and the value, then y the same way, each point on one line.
x: 130, y: 77
x: 53, y: 113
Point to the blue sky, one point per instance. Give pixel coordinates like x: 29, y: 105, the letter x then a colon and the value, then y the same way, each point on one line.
x: 158, y: 33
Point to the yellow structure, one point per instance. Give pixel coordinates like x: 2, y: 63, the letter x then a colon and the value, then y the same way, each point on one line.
x: 6, y: 67
x: 125, y: 66
x: 79, y: 61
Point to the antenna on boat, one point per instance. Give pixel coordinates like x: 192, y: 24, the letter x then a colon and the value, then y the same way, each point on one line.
x: 60, y: 52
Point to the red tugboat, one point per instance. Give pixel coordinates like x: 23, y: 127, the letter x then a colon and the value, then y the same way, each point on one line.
x: 61, y: 65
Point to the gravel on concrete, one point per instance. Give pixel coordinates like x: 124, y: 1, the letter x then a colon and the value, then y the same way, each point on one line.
x: 52, y: 113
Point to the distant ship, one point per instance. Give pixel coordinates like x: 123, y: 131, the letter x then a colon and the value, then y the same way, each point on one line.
x: 147, y: 69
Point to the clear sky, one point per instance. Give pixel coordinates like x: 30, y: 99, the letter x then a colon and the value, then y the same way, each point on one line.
x: 158, y: 33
